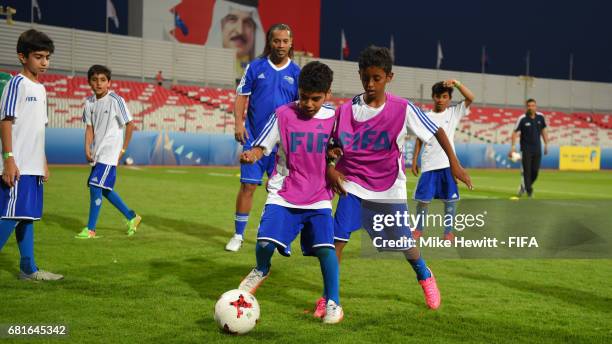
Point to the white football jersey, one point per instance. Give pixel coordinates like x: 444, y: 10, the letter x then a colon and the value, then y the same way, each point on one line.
x: 25, y: 101
x: 433, y: 156
x: 108, y: 117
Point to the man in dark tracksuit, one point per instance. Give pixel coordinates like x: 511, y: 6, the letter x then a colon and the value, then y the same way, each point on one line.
x: 531, y: 125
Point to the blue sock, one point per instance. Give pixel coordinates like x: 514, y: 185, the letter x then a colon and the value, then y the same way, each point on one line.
x: 450, y: 209
x: 6, y: 229
x: 331, y: 273
x: 95, y: 203
x: 419, y: 266
x: 240, y: 222
x: 263, y: 253
x: 115, y: 200
x: 422, y: 209
x: 25, y: 241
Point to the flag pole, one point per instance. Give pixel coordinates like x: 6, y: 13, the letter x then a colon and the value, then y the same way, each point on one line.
x: 342, y: 39
x: 527, y: 61
x: 483, y: 59
x: 571, y: 66
x: 107, y: 35
x: 483, y: 62
x: 571, y: 77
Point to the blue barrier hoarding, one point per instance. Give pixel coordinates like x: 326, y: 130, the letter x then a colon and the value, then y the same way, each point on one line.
x: 65, y: 146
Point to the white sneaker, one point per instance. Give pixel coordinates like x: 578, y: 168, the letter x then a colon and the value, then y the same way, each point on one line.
x: 252, y: 281
x: 40, y: 275
x: 234, y: 244
x: 333, y: 313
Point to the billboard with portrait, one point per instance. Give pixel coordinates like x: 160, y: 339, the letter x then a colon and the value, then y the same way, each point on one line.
x: 242, y: 24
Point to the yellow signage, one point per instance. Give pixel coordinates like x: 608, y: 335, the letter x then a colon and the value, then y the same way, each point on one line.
x: 579, y: 158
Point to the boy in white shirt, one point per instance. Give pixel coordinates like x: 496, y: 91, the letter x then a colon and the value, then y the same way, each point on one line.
x: 436, y: 181
x: 106, y: 116
x: 23, y: 117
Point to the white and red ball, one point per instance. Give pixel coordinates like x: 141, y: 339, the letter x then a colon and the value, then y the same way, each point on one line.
x: 237, y: 312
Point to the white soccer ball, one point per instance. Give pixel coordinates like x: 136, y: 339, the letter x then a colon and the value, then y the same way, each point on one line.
x: 515, y: 157
x: 237, y: 312
x: 129, y: 161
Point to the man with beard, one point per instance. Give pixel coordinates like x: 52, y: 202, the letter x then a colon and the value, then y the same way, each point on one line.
x: 236, y: 25
x: 269, y: 81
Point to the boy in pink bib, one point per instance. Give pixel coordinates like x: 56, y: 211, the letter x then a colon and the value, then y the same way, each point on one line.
x: 370, y: 134
x: 299, y: 198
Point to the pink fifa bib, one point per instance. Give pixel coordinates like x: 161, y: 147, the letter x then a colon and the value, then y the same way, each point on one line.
x: 370, y: 148
x: 305, y: 143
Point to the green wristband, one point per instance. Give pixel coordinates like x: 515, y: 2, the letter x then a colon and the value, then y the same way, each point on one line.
x: 457, y: 83
x: 7, y: 155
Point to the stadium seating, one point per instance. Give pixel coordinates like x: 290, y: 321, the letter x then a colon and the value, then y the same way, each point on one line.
x: 495, y: 125
x: 193, y: 108
x: 153, y: 107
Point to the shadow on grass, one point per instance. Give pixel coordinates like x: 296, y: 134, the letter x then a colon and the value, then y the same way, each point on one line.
x: 9, y: 264
x: 69, y: 224
x: 576, y: 297
x: 210, y: 279
x: 197, y: 230
x: 492, y: 328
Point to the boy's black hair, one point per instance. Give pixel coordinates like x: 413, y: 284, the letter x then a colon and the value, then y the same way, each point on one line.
x: 530, y: 100
x: 316, y: 77
x: 438, y: 88
x: 98, y: 69
x: 276, y: 27
x: 34, y: 40
x: 374, y: 56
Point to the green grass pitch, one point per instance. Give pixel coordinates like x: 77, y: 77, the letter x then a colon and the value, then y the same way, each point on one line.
x: 160, y: 286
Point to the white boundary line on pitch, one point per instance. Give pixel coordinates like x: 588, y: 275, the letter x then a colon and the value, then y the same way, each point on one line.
x: 605, y: 196
x: 215, y: 174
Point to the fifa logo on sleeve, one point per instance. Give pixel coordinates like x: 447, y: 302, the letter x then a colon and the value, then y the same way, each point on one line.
x: 30, y: 99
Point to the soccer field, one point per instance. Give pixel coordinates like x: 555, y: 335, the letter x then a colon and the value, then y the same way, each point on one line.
x: 161, y: 284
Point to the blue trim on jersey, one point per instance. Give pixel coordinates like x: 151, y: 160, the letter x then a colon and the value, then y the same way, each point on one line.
x: 121, y: 106
x: 428, y: 120
x: 243, y: 82
x: 11, y: 96
x: 423, y: 118
x: 15, y: 95
x: 266, y: 130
